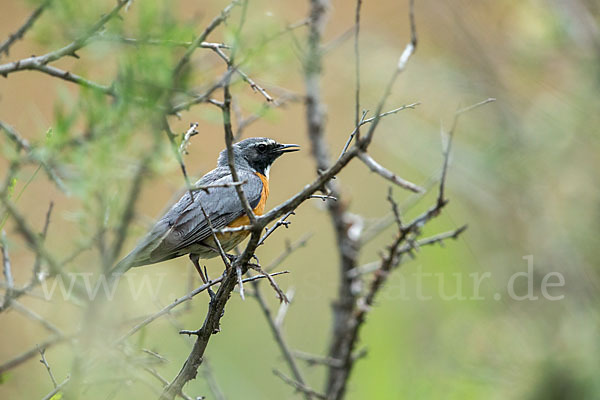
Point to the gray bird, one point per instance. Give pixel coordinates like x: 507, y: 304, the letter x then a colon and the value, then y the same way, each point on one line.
x: 184, y: 228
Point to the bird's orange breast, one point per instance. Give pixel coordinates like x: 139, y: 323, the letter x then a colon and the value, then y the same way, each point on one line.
x: 260, y: 207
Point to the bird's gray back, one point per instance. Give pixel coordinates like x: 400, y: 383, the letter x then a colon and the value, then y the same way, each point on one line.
x: 184, y: 224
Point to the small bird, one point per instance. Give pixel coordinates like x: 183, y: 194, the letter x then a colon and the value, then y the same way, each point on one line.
x: 184, y: 229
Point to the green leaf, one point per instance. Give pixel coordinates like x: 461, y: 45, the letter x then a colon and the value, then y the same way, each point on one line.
x: 4, y: 377
x: 57, y: 396
x: 11, y: 187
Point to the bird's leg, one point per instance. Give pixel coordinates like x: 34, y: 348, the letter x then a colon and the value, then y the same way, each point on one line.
x: 194, y: 258
x: 203, y: 275
x: 209, y: 289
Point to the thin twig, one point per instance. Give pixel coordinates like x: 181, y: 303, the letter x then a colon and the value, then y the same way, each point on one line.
x: 167, y: 309
x: 155, y: 42
x: 242, y: 124
x: 13, y: 37
x: 68, y: 50
x: 201, y: 98
x: 289, y: 249
x: 171, y: 136
x: 284, y: 307
x: 299, y: 386
x: 245, y: 77
x: 355, y: 132
x: 390, y: 176
x: 29, y: 354
x: 165, y: 382
x: 56, y: 389
x: 282, y: 222
x: 357, y: 67
x: 36, y: 317
x: 218, y: 20
x: 43, y: 361
x: 395, y: 210
x: 230, y: 157
x: 22, y: 144
x: 37, y: 263
x: 280, y: 295
x: 364, y: 121
x: 6, y: 268
x: 278, y: 336
x: 345, y: 309
x: 208, y: 374
x: 186, y: 138
x: 314, y: 360
x: 206, y: 188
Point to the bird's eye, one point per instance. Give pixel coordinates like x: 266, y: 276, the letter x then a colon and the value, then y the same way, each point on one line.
x: 261, y: 148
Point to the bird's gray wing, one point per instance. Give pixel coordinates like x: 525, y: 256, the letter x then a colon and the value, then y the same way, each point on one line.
x: 185, y: 224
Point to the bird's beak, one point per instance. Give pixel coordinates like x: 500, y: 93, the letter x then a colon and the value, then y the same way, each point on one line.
x: 287, y: 148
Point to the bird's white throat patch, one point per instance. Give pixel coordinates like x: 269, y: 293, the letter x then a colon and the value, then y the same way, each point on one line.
x: 267, y: 171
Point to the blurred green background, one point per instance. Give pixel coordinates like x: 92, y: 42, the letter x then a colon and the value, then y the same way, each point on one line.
x: 523, y: 176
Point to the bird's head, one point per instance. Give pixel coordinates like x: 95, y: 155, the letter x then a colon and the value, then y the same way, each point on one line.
x: 257, y: 154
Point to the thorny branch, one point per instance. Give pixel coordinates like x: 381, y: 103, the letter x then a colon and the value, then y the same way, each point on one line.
x: 40, y: 63
x: 12, y: 38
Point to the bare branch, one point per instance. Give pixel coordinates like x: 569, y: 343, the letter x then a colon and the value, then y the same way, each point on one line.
x: 448, y: 144
x: 44, y: 233
x: 218, y: 20
x: 5, y: 46
x: 70, y: 77
x: 6, y: 269
x: 102, y: 36
x: 245, y: 77
x: 171, y: 136
x: 22, y: 143
x: 314, y: 360
x: 181, y: 300
x: 390, y: 176
x: 29, y: 354
x: 165, y: 382
x: 186, y: 138
x: 201, y: 98
x: 281, y: 101
x: 129, y: 211
x: 289, y: 249
x: 284, y: 307
x: 299, y: 386
x: 230, y: 159
x: 212, y: 382
x: 278, y: 336
x: 404, y: 57
x: 357, y: 69
x: 68, y: 50
x: 32, y: 239
x: 342, y: 339
x: 43, y: 361
x: 206, y: 188
x: 395, y: 211
x: 57, y: 389
x: 36, y: 317
x: 439, y: 238
x: 280, y: 295
x: 281, y: 222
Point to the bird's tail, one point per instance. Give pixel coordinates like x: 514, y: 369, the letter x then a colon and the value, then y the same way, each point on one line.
x: 124, y: 265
